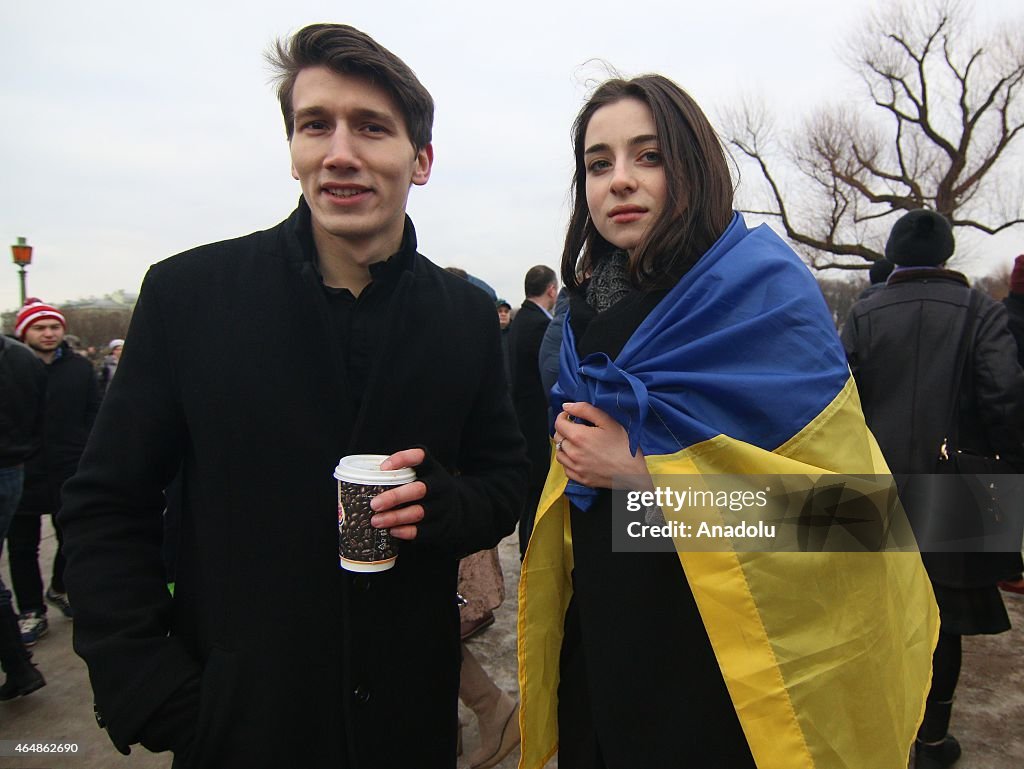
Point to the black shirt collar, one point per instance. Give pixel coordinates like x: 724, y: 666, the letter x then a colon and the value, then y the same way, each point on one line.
x: 386, y: 271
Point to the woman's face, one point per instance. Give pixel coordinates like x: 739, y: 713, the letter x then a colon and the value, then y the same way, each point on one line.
x: 626, y: 185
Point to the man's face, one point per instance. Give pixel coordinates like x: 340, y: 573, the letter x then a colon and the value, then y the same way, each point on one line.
x: 44, y: 336
x: 552, y: 295
x: 352, y: 155
x: 504, y: 316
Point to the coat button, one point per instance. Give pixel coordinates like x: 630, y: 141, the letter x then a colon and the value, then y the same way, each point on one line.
x: 362, y: 694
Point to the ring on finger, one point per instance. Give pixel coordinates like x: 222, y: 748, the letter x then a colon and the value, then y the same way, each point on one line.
x: 558, y: 445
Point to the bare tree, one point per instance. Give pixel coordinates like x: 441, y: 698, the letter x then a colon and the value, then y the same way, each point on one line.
x: 840, y: 295
x: 97, y: 327
x: 996, y: 283
x: 936, y: 129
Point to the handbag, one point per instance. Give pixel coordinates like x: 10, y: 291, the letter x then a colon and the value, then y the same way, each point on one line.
x: 973, y: 499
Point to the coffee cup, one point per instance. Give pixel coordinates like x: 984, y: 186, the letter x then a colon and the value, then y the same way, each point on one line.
x: 361, y: 547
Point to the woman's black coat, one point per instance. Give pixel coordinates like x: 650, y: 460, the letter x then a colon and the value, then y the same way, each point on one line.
x: 902, y: 344
x: 231, y: 373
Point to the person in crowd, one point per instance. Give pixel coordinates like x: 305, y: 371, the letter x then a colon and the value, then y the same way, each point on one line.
x: 525, y: 334
x: 72, y: 400
x: 22, y: 401
x: 1014, y: 302
x: 504, y: 314
x: 478, y: 282
x: 694, y: 345
x: 482, y: 588
x: 481, y: 591
x: 109, y: 366
x: 267, y: 654
x: 878, y: 273
x: 504, y: 321
x: 483, y: 286
x: 548, y: 357
x: 904, y: 346
x: 75, y: 345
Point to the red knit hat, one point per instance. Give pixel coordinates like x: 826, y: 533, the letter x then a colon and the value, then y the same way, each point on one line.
x: 34, y: 311
x: 1017, y: 276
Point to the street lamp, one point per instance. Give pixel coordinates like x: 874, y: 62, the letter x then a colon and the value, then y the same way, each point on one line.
x: 23, y: 258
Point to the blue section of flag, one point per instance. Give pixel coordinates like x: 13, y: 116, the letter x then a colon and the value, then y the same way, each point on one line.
x: 742, y: 346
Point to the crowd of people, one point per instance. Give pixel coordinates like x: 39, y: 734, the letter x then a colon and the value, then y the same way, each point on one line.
x: 682, y: 342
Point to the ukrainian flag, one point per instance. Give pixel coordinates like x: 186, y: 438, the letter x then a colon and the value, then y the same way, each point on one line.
x: 826, y: 656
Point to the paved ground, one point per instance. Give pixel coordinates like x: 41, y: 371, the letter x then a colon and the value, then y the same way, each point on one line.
x: 987, y: 717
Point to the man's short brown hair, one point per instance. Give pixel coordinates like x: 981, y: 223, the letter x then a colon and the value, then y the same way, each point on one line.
x: 538, y: 279
x: 347, y: 51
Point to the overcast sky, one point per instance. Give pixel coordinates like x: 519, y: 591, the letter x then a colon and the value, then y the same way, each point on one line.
x: 135, y: 130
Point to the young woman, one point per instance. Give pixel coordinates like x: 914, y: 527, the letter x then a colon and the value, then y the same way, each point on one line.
x: 696, y: 346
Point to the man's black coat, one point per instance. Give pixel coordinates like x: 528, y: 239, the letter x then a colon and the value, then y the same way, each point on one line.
x: 531, y: 403
x: 72, y: 400
x: 277, y: 656
x: 22, y: 396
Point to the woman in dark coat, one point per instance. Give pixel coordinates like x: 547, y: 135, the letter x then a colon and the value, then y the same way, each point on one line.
x: 903, y: 345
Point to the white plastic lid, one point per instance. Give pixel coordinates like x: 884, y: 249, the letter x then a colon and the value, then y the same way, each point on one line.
x: 365, y: 469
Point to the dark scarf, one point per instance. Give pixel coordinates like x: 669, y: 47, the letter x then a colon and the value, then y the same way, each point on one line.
x: 609, y: 281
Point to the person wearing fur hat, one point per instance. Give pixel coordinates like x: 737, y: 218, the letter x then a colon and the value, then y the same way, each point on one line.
x: 903, y: 346
x: 72, y: 400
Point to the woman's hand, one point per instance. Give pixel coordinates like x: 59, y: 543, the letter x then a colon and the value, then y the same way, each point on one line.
x: 594, y: 455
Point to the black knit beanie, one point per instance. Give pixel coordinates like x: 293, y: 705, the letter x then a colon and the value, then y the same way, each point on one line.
x: 880, y: 270
x: 921, y: 238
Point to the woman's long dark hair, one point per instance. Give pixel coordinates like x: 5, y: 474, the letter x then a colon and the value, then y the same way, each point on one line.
x: 699, y: 205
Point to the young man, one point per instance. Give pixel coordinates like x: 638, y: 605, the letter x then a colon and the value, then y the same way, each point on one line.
x: 252, y: 366
x: 72, y: 400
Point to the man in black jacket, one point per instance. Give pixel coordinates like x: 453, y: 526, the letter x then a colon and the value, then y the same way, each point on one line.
x: 268, y: 654
x: 903, y: 344
x: 72, y: 400
x: 531, y: 401
x: 22, y: 398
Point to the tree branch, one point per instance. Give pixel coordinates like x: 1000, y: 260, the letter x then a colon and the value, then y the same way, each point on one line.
x: 990, y: 229
x: 951, y: 122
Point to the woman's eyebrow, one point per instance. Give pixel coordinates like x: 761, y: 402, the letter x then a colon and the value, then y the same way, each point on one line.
x: 641, y: 139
